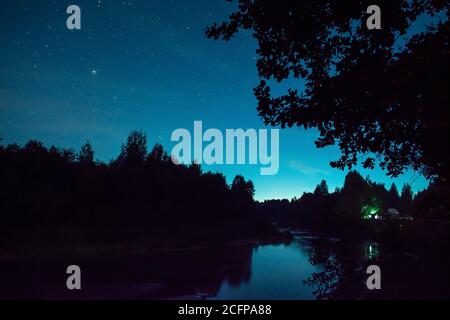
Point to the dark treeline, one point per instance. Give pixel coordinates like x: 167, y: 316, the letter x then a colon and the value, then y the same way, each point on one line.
x: 360, y: 199
x: 56, y: 197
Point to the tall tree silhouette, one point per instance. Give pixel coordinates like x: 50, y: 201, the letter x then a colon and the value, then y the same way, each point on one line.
x: 134, y: 151
x: 355, y: 193
x: 321, y: 189
x: 243, y: 192
x: 86, y: 155
x: 242, y: 186
x: 363, y: 90
x: 35, y: 147
x: 406, y: 199
x: 69, y: 155
x: 393, y: 197
x: 158, y: 153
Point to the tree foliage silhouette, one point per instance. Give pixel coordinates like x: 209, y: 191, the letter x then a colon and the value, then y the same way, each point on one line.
x: 393, y: 197
x: 86, y: 155
x: 52, y: 198
x: 406, y: 199
x: 363, y: 90
x: 240, y: 185
x: 158, y: 153
x: 321, y: 189
x: 134, y: 152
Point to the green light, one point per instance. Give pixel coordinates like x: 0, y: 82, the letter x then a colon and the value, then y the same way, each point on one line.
x: 372, y: 251
x: 369, y: 211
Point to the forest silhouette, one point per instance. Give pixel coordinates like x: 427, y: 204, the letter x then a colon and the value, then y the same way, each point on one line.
x: 57, y: 198
x: 365, y: 207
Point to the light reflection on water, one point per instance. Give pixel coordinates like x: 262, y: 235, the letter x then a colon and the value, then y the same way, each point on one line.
x: 373, y: 251
x: 277, y: 272
x: 274, y: 271
x: 331, y: 268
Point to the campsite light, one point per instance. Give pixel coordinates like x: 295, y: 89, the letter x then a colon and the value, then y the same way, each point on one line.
x: 370, y: 211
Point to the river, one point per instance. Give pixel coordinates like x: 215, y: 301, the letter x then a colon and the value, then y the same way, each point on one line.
x: 309, y: 267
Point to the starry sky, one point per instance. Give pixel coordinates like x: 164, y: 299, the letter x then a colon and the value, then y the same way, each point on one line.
x: 144, y: 65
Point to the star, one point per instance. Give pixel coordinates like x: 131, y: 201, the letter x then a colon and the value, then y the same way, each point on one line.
x: 94, y: 72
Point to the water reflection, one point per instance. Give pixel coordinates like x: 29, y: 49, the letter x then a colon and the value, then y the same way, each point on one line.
x: 235, y: 272
x: 310, y: 267
x: 277, y: 273
x: 406, y: 273
x: 190, y: 274
x: 373, y: 251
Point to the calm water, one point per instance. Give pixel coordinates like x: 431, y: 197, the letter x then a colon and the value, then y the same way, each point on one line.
x: 277, y: 272
x: 234, y: 272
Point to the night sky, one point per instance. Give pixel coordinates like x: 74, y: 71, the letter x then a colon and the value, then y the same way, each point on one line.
x: 143, y: 65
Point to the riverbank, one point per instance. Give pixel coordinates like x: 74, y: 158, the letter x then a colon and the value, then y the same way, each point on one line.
x: 144, y: 246
x: 429, y: 234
